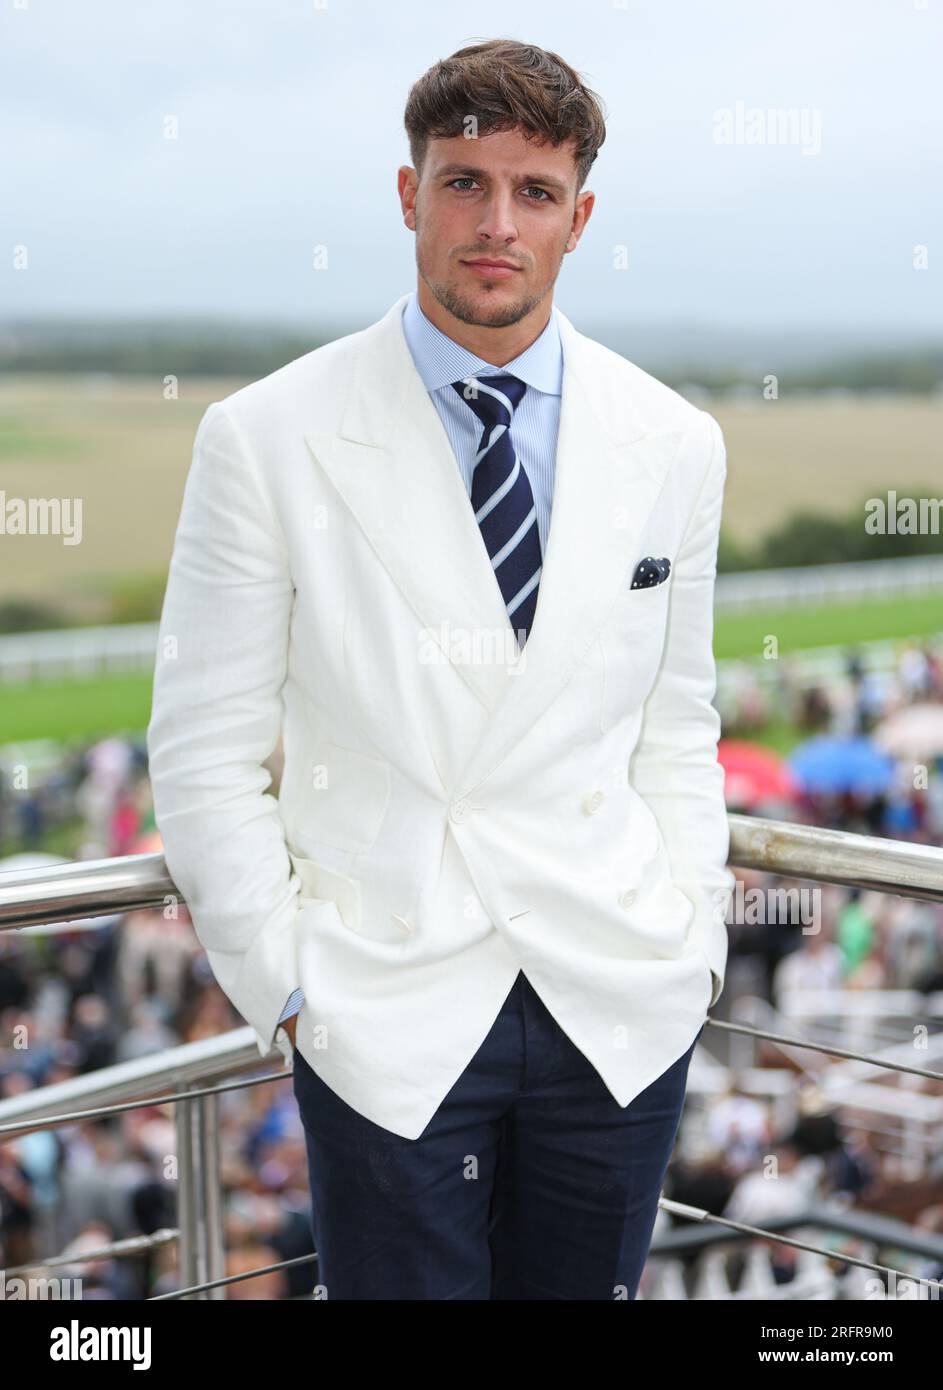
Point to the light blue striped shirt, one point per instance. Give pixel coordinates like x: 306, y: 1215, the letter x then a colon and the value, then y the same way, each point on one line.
x: 440, y: 361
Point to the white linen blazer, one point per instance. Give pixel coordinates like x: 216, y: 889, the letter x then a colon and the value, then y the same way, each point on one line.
x: 452, y: 810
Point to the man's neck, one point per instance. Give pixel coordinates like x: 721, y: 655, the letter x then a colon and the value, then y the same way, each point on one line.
x: 496, y: 346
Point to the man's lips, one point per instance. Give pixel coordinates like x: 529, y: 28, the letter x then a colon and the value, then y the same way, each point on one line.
x: 496, y: 270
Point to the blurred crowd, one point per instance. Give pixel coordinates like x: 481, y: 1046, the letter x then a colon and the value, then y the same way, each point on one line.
x: 856, y: 702
x: 858, y: 969
x: 815, y: 694
x: 113, y: 990
x: 122, y: 988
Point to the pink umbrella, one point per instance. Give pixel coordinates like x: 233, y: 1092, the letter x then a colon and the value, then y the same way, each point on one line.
x: 754, y: 774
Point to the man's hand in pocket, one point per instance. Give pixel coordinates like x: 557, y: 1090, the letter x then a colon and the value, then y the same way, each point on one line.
x: 289, y: 1025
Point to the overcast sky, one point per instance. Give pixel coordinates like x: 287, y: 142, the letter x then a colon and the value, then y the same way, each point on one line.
x: 289, y: 118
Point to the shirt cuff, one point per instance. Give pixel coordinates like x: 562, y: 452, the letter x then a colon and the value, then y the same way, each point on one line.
x: 295, y: 1001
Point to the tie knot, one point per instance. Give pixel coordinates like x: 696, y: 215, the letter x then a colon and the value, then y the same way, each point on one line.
x: 494, y: 399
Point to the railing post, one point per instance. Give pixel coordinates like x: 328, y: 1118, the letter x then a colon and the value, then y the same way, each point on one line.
x: 199, y: 1205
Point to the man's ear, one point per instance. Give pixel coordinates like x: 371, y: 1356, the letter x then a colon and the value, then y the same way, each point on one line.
x: 407, y: 183
x: 582, y: 211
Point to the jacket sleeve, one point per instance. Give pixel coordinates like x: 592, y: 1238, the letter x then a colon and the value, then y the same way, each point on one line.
x: 674, y: 767
x: 216, y: 716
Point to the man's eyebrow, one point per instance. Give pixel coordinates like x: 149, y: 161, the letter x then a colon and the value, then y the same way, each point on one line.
x: 469, y: 171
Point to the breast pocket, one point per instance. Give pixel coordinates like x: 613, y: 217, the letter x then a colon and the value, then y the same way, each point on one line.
x: 632, y: 641
x: 347, y: 796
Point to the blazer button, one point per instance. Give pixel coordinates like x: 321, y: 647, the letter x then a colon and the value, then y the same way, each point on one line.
x: 592, y: 802
x: 627, y: 898
x: 458, y: 812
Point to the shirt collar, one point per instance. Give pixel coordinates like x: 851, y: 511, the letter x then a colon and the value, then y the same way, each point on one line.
x: 440, y: 360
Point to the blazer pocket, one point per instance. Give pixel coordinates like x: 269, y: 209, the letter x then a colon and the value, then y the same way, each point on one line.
x: 325, y: 887
x: 322, y: 887
x: 645, y: 591
x: 347, y: 797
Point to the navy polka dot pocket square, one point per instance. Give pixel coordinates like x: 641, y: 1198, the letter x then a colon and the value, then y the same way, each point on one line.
x: 649, y: 572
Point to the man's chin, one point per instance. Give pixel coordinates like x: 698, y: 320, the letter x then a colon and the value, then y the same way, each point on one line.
x: 487, y: 307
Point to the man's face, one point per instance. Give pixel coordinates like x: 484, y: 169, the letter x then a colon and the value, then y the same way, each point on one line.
x: 498, y: 198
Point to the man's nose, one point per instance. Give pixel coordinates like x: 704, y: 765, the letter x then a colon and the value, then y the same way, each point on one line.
x: 497, y: 219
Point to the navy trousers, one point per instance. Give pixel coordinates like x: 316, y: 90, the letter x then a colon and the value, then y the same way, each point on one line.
x: 529, y: 1182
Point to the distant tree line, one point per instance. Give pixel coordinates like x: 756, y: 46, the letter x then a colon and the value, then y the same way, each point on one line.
x: 913, y: 373
x: 238, y: 348
x: 812, y: 538
x: 225, y: 349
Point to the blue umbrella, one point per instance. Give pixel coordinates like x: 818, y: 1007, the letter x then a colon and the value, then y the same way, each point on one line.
x: 828, y: 764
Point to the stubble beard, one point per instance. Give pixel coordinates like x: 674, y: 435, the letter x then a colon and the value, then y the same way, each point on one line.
x: 464, y: 308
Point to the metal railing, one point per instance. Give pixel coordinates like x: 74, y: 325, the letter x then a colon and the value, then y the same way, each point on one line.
x: 193, y: 1075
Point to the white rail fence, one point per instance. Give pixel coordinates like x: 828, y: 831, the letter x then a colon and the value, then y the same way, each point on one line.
x: 85, y: 652
x: 817, y: 584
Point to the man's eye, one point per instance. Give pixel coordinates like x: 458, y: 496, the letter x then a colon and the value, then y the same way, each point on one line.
x: 460, y: 180
x: 542, y: 191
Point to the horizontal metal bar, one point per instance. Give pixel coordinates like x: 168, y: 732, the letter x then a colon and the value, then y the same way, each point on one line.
x: 209, y: 1059
x: 66, y: 892
x: 89, y: 888
x: 100, y: 1111
x: 836, y: 856
x: 50, y: 1107
x: 115, y: 1249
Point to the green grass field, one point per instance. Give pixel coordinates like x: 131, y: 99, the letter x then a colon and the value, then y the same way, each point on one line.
x: 85, y: 709
x: 120, y: 446
x: 75, y: 709
x: 745, y: 634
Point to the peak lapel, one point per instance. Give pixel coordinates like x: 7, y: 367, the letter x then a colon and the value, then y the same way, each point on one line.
x: 604, y: 491
x: 393, y: 465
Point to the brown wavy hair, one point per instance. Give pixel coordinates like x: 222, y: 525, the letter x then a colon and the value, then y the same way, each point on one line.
x: 505, y: 85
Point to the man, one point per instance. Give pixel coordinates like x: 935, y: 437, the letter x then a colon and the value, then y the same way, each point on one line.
x: 464, y: 561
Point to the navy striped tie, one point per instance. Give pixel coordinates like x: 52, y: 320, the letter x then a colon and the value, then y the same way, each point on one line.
x: 502, y: 498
